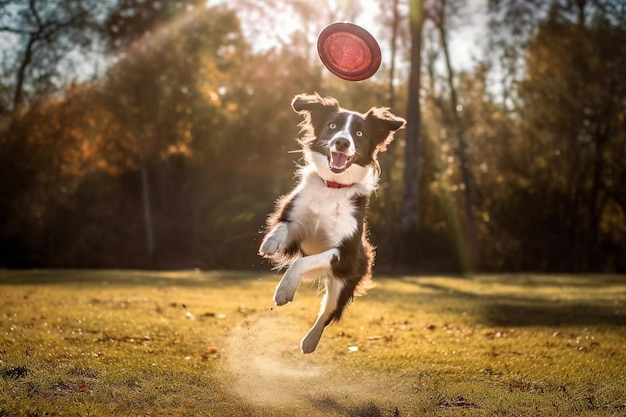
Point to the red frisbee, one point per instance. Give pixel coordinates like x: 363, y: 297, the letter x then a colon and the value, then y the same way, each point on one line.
x: 349, y: 51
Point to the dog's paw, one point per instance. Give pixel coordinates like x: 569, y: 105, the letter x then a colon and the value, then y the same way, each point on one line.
x: 274, y: 241
x: 284, y: 294
x: 270, y: 246
x: 310, y: 341
x: 286, y: 288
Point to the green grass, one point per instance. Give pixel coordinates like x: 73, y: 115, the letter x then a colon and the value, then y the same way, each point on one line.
x: 118, y: 343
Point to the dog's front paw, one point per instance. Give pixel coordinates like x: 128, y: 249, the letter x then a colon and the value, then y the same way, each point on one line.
x: 274, y: 241
x: 288, y: 285
x: 270, y: 246
x: 283, y: 295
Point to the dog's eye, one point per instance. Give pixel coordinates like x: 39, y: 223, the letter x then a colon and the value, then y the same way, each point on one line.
x: 359, y: 133
x: 332, y: 126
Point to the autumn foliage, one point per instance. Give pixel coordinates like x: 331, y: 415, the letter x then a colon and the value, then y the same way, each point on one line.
x: 173, y: 154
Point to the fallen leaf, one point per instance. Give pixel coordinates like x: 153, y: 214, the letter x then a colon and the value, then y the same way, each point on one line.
x: 457, y: 402
x: 84, y: 387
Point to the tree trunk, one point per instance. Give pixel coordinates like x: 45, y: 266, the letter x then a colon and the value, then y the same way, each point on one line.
x: 471, y: 239
x: 21, y: 74
x: 145, y: 178
x: 147, y: 208
x: 412, y: 156
x: 387, y: 157
x: 393, y: 46
x: 28, y: 54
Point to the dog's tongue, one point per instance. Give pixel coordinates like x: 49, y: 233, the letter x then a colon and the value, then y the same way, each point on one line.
x: 339, y: 160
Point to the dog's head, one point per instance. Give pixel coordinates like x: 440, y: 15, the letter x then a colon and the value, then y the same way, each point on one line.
x: 343, y: 144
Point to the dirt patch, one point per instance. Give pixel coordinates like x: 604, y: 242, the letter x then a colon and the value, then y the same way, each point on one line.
x: 268, y: 370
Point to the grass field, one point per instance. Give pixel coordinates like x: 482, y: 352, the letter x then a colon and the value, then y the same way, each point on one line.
x: 134, y: 343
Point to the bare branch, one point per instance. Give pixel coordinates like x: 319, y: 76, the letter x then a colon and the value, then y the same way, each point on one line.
x: 14, y: 30
x: 33, y: 9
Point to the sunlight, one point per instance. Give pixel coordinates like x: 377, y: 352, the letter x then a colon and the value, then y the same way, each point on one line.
x: 278, y: 28
x: 150, y: 39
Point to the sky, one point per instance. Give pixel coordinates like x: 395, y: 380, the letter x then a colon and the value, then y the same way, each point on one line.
x: 467, y: 40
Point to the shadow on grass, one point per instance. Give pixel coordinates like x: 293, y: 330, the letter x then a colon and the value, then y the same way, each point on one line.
x: 328, y: 404
x: 526, y: 310
x: 492, y: 310
x: 129, y: 277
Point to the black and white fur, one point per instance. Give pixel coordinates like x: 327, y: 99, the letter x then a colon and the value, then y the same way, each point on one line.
x: 318, y: 230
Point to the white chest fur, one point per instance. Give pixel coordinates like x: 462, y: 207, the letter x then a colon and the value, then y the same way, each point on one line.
x: 323, y: 216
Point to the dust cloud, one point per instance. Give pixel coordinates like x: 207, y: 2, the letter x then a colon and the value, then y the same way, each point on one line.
x: 267, y: 370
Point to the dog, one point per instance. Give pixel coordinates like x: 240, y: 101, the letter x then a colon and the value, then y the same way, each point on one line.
x: 318, y: 230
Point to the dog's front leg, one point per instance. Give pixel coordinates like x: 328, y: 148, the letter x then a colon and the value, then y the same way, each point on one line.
x: 319, y: 263
x: 275, y: 241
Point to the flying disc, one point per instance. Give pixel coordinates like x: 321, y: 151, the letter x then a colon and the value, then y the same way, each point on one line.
x: 349, y: 51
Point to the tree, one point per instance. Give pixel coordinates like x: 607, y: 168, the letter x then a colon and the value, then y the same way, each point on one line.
x: 569, y: 106
x: 178, y: 68
x: 45, y: 155
x: 439, y: 14
x: 45, y: 32
x: 412, y: 157
x: 575, y: 97
x: 388, y: 157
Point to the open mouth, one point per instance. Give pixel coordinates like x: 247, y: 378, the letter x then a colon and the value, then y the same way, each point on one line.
x: 339, y: 162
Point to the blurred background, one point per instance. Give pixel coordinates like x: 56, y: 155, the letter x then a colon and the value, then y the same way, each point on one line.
x: 158, y: 133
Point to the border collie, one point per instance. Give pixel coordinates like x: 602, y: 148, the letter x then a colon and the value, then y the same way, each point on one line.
x: 318, y: 230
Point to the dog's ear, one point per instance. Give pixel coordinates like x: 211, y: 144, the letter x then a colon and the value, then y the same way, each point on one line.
x: 384, y: 124
x: 303, y: 103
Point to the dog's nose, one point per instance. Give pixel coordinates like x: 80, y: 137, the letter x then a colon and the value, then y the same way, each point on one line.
x: 341, y: 144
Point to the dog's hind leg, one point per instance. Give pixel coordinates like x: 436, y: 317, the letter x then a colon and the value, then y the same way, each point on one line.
x: 327, y: 312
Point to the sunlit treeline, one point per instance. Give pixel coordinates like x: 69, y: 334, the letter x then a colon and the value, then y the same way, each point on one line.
x: 174, y: 154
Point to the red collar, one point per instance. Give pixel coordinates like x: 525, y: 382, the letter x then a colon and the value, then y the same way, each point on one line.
x: 333, y: 184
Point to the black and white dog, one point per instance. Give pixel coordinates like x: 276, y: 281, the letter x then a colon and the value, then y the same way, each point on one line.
x: 318, y: 230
